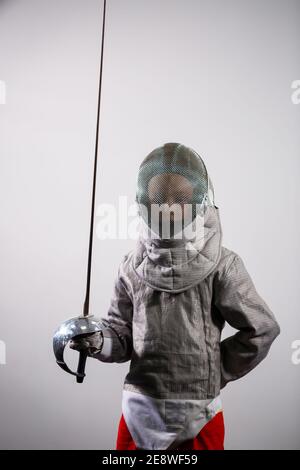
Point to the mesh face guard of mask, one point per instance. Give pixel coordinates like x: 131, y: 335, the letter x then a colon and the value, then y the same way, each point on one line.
x: 173, y: 188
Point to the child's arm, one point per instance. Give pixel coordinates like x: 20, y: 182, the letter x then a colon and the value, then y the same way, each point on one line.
x: 241, y: 306
x: 114, y: 341
x: 117, y: 327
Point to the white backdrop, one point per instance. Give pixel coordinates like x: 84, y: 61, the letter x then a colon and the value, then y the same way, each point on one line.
x: 213, y: 75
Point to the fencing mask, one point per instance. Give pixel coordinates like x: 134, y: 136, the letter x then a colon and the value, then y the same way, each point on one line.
x: 173, y: 191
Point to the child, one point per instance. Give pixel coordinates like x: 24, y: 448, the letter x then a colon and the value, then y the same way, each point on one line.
x: 171, y: 299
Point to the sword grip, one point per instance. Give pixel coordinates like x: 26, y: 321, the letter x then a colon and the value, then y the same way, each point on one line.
x: 81, y: 367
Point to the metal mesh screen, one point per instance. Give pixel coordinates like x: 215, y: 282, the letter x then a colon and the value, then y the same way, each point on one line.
x: 172, y: 187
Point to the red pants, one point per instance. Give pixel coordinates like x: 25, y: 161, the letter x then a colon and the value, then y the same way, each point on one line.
x: 211, y: 436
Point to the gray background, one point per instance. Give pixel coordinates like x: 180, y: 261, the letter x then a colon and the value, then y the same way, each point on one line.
x: 213, y: 75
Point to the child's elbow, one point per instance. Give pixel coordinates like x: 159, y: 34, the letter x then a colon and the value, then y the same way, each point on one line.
x: 272, y: 331
x: 276, y: 330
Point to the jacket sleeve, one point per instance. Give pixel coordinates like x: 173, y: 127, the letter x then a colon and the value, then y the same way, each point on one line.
x: 241, y: 306
x: 117, y: 327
